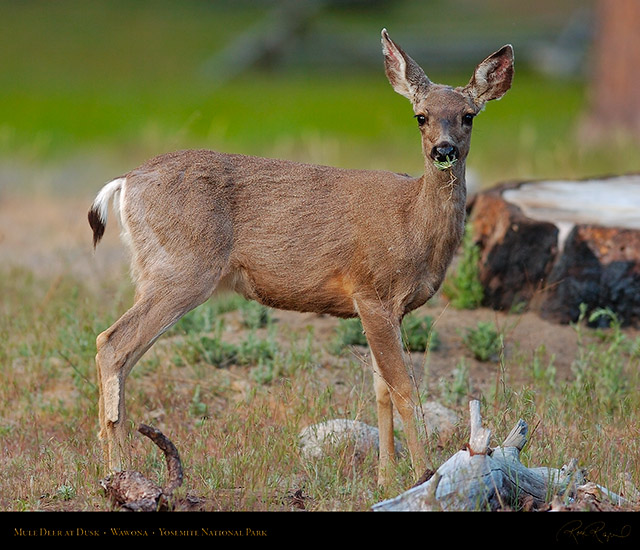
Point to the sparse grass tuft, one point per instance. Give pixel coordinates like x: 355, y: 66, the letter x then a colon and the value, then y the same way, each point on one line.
x: 456, y: 391
x: 349, y: 332
x: 484, y: 341
x: 605, y: 370
x: 417, y: 331
x: 463, y: 287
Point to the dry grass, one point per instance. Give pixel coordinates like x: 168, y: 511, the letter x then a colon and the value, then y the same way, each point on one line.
x: 236, y: 426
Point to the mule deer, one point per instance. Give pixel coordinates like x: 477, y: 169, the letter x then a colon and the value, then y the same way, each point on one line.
x: 300, y: 237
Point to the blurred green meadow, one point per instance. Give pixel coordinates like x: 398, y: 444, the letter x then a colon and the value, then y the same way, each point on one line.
x: 127, y: 80
x: 103, y: 85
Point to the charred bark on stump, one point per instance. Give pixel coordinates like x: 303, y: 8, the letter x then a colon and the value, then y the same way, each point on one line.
x: 517, y: 252
x: 597, y: 269
x: 554, y: 253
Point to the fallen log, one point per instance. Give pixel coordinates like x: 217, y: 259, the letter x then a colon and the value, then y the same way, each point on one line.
x: 481, y: 478
x: 554, y: 245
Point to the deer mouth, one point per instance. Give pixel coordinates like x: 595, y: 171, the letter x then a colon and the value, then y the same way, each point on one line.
x: 445, y: 152
x: 444, y: 156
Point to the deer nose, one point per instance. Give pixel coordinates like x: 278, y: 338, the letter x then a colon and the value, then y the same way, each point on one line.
x: 444, y: 151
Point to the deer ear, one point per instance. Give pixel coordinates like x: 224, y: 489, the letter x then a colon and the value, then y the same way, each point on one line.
x: 404, y: 74
x: 492, y: 78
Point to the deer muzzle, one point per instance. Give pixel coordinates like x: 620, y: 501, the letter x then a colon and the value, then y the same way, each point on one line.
x: 444, y: 152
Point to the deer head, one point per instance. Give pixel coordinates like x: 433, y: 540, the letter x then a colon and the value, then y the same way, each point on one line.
x: 445, y: 114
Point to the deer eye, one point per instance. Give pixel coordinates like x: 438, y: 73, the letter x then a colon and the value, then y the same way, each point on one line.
x: 421, y: 119
x: 467, y: 120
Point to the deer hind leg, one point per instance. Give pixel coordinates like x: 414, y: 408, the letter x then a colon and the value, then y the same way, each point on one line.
x: 394, y: 388
x: 385, y: 424
x: 122, y: 345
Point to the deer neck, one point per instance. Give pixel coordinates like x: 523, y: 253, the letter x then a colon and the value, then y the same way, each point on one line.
x: 445, y: 189
x: 444, y: 197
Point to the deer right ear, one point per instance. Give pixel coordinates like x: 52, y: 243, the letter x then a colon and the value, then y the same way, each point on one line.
x: 492, y: 78
x: 404, y: 74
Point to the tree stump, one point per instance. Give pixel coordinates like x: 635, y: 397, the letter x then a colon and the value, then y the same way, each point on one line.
x: 554, y: 245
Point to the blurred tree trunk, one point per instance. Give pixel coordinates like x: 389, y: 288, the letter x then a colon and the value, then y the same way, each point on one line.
x: 614, y: 110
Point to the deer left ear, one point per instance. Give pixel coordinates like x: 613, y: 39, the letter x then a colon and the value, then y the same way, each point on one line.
x: 404, y: 74
x: 492, y: 78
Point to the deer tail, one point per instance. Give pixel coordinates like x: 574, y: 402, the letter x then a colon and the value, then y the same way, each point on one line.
x: 100, y: 207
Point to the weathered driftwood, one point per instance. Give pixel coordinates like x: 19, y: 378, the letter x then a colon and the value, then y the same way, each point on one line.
x: 553, y: 245
x: 481, y: 478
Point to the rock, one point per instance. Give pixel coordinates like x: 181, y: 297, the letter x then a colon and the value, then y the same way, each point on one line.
x: 439, y: 419
x: 318, y: 439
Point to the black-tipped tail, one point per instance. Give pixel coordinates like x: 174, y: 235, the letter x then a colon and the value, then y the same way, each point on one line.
x: 97, y: 225
x: 100, y: 206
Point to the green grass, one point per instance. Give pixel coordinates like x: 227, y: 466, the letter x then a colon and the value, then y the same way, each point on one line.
x: 483, y: 341
x: 462, y: 286
x: 129, y: 80
x: 343, y: 120
x: 236, y: 422
x: 417, y: 331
